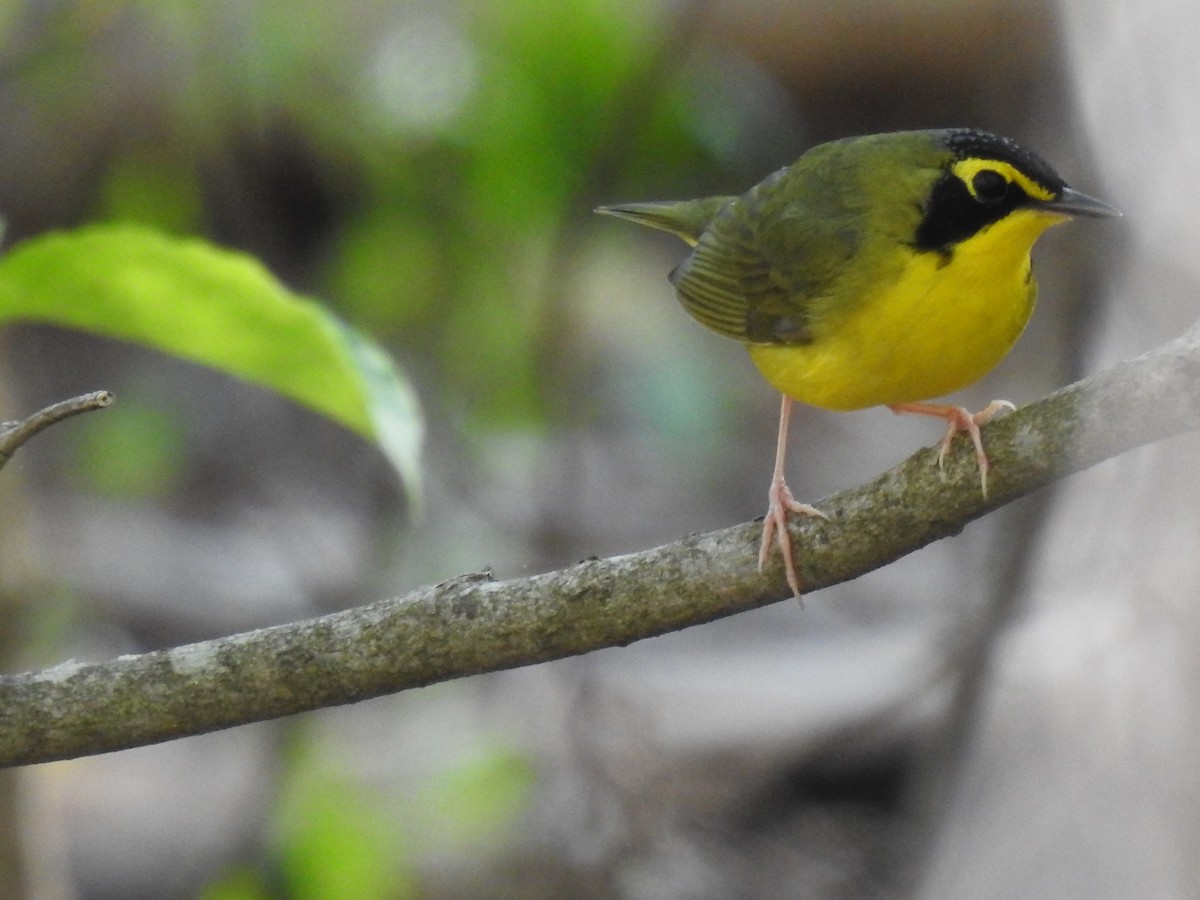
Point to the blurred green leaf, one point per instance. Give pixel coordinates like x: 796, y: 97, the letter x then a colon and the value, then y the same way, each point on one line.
x: 463, y: 807
x: 336, y: 837
x: 151, y: 187
x: 218, y: 308
x: 339, y: 843
x: 136, y: 454
x: 389, y: 272
x: 241, y: 883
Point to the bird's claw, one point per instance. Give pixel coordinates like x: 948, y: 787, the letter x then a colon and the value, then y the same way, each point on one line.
x: 959, y: 418
x: 780, y: 502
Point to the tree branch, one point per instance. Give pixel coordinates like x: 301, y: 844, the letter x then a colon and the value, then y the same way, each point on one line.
x: 474, y: 624
x: 14, y: 434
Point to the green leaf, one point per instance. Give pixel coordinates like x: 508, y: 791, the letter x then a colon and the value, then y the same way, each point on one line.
x: 139, y: 453
x: 336, y: 835
x: 340, y: 843
x: 221, y: 309
x: 239, y: 883
x: 477, y: 801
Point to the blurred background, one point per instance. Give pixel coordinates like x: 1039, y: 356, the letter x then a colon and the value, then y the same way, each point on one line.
x: 1009, y: 713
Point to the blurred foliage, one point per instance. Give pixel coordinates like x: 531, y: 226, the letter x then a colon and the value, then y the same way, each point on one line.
x: 336, y: 837
x: 450, y: 144
x: 338, y: 840
x: 218, y: 308
x: 137, y: 454
x: 469, y: 806
x: 242, y: 883
x: 474, y: 184
x: 147, y: 185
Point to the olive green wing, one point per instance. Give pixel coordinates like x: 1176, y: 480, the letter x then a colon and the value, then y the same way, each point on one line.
x: 767, y: 263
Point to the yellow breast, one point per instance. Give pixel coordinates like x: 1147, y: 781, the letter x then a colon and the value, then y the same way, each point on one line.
x: 939, y: 326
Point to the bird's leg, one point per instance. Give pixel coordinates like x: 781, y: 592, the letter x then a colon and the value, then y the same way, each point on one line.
x: 780, y: 502
x: 959, y: 419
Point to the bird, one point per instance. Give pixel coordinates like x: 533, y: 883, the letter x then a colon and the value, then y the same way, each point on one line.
x: 880, y: 270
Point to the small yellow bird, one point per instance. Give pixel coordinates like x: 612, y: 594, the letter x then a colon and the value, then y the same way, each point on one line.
x: 882, y: 270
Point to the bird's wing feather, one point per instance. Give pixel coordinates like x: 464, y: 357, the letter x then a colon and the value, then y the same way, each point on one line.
x: 764, y: 285
x: 770, y: 260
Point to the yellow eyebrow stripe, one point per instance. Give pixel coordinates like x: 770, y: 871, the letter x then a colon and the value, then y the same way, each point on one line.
x: 967, y: 169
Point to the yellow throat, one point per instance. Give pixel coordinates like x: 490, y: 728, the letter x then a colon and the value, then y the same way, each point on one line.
x: 941, y: 323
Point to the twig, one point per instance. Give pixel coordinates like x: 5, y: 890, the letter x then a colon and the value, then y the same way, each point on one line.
x: 475, y: 624
x: 14, y: 434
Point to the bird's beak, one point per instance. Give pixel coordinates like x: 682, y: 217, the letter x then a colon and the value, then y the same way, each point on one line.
x: 1071, y: 202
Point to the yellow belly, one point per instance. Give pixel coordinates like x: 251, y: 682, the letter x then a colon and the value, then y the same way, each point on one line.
x: 938, y: 327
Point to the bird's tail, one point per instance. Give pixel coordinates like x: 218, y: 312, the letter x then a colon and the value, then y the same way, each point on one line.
x: 687, y: 219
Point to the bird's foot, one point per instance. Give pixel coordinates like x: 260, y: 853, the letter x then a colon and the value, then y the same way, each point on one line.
x: 780, y: 502
x: 959, y: 418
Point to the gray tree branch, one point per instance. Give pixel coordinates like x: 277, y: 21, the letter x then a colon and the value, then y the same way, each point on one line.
x: 474, y: 624
x: 14, y: 434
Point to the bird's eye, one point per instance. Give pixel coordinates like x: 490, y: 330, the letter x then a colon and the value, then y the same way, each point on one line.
x: 989, y: 186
